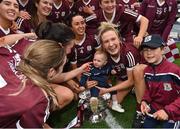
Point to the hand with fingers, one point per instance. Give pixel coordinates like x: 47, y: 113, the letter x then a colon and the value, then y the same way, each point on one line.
x: 24, y: 15
x: 102, y: 90
x: 161, y: 115
x: 86, y: 67
x: 145, y: 109
x: 88, y: 9
x: 74, y: 86
x: 91, y: 84
x: 137, y: 41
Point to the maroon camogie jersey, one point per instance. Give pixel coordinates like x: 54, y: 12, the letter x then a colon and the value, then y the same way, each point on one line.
x: 25, y: 25
x: 83, y: 52
x: 71, y: 5
x: 80, y: 4
x: 122, y: 17
x: 23, y: 105
x: 59, y: 12
x: 26, y: 6
x: 128, y: 58
x: 127, y: 3
x: 4, y: 32
x: 19, y: 45
x: 161, y: 16
x: 163, y: 88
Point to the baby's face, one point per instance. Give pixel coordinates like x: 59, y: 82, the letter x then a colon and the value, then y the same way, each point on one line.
x: 99, y: 60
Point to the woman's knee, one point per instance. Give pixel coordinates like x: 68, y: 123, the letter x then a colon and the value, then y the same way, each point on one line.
x: 64, y: 95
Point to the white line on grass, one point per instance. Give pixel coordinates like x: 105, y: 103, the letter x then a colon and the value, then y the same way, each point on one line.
x: 111, y: 121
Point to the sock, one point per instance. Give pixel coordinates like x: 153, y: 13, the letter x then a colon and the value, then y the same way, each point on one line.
x: 115, y: 102
x: 80, y: 112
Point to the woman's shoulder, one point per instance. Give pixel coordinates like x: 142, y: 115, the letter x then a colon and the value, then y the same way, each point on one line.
x: 129, y: 48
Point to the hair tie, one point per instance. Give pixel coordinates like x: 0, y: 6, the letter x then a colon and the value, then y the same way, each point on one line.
x: 26, y: 60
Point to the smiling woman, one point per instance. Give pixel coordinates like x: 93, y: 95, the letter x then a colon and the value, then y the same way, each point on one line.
x: 122, y: 57
x: 10, y: 9
x: 40, y: 9
x: 85, y: 45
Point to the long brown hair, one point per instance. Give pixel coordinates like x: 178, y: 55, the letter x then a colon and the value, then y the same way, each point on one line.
x: 38, y: 59
x: 33, y: 11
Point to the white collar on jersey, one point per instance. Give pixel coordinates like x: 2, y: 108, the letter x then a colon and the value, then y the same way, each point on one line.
x: 5, y: 31
x: 23, y: 4
x: 112, y: 18
x: 86, y: 3
x: 82, y: 41
x: 57, y: 6
x: 160, y: 3
x: 126, y: 1
x: 116, y: 60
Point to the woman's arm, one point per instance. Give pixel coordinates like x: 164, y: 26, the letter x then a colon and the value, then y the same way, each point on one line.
x: 142, y: 31
x: 62, y: 77
x: 121, y: 86
x: 12, y: 38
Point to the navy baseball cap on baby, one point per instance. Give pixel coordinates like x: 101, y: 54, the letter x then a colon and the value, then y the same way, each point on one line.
x: 152, y: 41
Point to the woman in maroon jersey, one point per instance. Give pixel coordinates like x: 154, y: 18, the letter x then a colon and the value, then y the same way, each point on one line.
x: 27, y: 94
x: 161, y: 15
x: 131, y: 4
x: 85, y: 7
x: 123, y: 58
x: 61, y: 33
x: 120, y: 16
x: 60, y: 11
x: 10, y: 9
x: 24, y: 8
x: 85, y: 45
x: 40, y: 9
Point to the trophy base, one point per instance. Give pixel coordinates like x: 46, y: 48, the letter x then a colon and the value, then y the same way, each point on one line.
x: 95, y: 118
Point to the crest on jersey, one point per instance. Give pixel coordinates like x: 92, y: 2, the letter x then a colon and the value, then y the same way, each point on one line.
x: 89, y: 48
x: 81, y: 50
x: 165, y: 10
x: 63, y: 14
x: 167, y: 86
x: 122, y: 66
x: 170, y: 8
x: 159, y: 11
